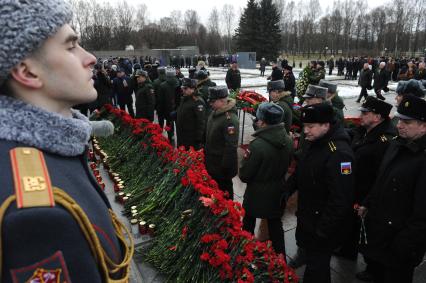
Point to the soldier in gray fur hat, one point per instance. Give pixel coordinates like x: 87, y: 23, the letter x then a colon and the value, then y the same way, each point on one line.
x: 50, y: 200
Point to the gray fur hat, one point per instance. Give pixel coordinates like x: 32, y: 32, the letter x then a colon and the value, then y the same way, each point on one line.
x: 24, y: 27
x: 332, y: 87
x: 315, y: 91
x: 276, y: 85
x: 412, y: 86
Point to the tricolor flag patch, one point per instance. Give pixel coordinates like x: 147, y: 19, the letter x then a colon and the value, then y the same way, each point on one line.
x: 346, y: 168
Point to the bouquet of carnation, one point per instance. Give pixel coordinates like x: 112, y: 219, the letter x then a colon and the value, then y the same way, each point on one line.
x: 198, y: 233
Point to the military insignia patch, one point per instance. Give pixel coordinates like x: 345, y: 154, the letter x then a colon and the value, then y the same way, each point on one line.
x: 346, y: 168
x: 50, y: 270
x: 200, y: 108
x: 407, y: 104
x: 231, y: 130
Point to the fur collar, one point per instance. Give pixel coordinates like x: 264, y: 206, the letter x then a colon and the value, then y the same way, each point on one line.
x: 50, y: 132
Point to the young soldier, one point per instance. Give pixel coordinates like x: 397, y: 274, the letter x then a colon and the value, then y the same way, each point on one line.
x: 222, y: 139
x: 191, y: 117
x: 56, y: 222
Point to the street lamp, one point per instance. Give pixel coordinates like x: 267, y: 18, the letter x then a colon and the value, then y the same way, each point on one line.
x: 325, y: 51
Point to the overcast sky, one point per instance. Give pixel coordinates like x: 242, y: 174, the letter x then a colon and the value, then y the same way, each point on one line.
x: 162, y: 8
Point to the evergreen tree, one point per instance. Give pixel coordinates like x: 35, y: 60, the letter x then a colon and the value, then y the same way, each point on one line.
x: 248, y: 28
x: 269, y: 31
x: 259, y: 30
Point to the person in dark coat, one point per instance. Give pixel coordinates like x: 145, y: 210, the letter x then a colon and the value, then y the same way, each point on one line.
x: 277, y: 73
x: 191, y: 117
x: 222, y: 139
x: 324, y: 180
x: 47, y: 187
x: 145, y: 97
x: 102, y: 84
x: 365, y: 79
x: 166, y: 106
x: 369, y: 142
x: 203, y: 85
x: 122, y: 87
x: 262, y: 67
x: 289, y: 80
x: 420, y: 72
x: 330, y: 64
x: 233, y: 77
x: 395, y: 209
x: 380, y: 80
x: 263, y: 168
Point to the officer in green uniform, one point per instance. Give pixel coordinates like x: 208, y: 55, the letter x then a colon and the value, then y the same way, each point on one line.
x: 263, y: 169
x: 283, y: 99
x: 145, y: 98
x: 161, y: 71
x: 191, y: 117
x: 222, y: 139
x: 334, y: 98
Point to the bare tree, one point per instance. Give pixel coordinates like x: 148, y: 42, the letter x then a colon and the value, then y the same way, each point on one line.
x: 141, y: 16
x: 228, y: 23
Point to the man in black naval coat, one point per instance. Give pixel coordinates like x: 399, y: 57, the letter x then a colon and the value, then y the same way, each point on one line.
x: 56, y: 223
x: 324, y: 180
x: 369, y: 143
x: 395, y: 209
x: 191, y: 117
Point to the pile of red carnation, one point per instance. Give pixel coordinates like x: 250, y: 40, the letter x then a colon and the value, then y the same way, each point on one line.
x: 222, y: 249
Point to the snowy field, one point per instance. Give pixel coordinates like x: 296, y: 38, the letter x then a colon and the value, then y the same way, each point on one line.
x: 251, y: 80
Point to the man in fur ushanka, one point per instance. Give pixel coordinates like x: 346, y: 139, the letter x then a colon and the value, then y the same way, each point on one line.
x: 56, y: 222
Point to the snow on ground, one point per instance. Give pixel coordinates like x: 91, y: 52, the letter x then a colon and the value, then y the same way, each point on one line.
x: 251, y: 80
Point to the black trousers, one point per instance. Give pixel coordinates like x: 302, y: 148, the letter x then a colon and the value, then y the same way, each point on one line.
x: 276, y: 231
x: 385, y: 274
x: 226, y: 185
x: 363, y: 93
x: 129, y: 108
x: 317, y: 267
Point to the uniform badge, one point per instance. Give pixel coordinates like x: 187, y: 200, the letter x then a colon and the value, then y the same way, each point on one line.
x: 231, y: 130
x: 200, y: 108
x: 49, y: 270
x: 346, y: 168
x: 407, y: 104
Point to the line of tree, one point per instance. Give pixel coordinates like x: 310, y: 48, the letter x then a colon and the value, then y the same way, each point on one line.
x: 269, y: 27
x: 103, y: 26
x: 349, y: 27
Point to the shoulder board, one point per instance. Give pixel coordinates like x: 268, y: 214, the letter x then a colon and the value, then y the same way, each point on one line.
x: 395, y: 137
x: 332, y: 146
x: 31, y: 178
x: 228, y: 116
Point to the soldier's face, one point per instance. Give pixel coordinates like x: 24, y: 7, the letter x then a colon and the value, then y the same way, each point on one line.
x: 411, y: 129
x: 218, y: 103
x: 314, y: 131
x: 367, y: 119
x: 65, y: 69
x: 187, y: 90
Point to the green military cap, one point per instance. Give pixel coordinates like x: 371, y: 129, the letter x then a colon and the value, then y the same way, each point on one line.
x: 332, y: 87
